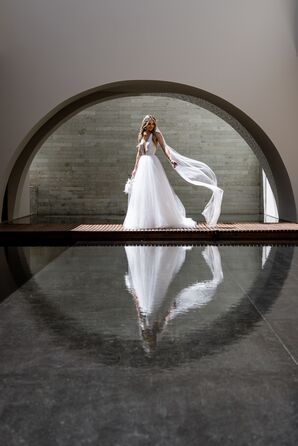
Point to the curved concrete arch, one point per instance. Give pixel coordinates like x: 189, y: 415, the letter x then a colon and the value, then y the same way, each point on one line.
x: 267, y: 154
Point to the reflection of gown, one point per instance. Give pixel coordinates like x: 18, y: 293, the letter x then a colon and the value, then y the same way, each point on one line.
x: 151, y: 270
x: 152, y: 203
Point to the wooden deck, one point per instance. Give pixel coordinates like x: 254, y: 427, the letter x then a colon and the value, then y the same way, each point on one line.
x: 71, y: 233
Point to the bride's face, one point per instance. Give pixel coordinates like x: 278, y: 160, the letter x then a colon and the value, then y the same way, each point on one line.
x: 150, y: 126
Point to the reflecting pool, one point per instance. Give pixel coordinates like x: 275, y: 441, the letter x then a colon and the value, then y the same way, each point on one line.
x: 149, y: 344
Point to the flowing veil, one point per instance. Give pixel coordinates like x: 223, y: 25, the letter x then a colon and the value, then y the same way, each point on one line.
x: 200, y: 293
x: 199, y: 174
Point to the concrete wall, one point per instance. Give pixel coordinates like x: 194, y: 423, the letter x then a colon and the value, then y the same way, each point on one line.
x: 83, y: 166
x: 243, y: 52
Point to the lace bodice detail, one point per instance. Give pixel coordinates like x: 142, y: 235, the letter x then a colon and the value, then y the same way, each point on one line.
x: 148, y: 147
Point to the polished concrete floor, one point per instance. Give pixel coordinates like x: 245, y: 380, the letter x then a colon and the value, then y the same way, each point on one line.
x: 150, y: 345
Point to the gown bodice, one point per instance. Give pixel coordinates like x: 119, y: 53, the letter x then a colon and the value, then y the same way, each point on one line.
x: 149, y: 148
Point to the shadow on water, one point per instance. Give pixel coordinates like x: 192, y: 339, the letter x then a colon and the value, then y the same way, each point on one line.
x: 148, y: 289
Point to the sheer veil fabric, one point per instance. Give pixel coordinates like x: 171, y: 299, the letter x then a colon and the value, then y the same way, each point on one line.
x: 152, y: 202
x: 199, y: 174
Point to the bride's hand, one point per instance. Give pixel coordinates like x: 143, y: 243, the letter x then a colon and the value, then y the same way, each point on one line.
x: 174, y: 164
x: 133, y: 172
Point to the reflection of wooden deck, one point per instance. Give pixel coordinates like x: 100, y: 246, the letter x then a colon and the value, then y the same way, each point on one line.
x: 70, y: 233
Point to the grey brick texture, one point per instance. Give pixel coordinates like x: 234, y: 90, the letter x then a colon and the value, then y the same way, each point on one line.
x: 83, y: 166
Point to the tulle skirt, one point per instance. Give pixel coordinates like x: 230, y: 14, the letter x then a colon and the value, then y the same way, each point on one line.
x: 152, y: 202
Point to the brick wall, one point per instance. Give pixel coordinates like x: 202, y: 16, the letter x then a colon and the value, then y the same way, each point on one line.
x: 84, y: 164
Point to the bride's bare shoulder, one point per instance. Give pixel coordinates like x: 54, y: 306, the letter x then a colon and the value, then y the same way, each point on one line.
x: 158, y: 135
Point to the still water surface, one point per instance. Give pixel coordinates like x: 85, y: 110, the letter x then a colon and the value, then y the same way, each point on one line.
x: 159, y: 344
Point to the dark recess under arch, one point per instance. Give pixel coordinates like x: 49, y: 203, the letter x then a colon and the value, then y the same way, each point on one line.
x: 284, y: 192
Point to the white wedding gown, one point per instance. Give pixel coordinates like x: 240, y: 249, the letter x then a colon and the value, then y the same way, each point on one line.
x: 152, y: 203
x: 151, y: 269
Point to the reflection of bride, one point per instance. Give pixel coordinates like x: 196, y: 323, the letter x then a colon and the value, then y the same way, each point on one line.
x: 151, y: 270
x: 152, y: 203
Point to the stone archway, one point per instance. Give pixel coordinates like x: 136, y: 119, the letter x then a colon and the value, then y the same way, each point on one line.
x: 258, y: 141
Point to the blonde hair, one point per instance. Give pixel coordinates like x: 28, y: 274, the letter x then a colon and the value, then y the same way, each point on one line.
x: 144, y: 124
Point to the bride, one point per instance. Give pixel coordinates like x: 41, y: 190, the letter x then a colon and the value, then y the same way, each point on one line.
x: 151, y: 269
x: 152, y: 203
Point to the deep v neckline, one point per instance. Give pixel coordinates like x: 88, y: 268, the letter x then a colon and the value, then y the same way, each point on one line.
x: 146, y: 140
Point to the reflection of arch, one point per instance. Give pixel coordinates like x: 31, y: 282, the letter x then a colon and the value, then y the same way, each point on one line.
x: 236, y: 323
x: 263, y: 147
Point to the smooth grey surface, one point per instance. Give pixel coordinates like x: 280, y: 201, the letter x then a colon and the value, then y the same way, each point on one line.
x: 74, y: 370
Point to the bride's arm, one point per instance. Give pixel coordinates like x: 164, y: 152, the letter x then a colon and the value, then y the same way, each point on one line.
x: 164, y: 148
x: 137, y: 161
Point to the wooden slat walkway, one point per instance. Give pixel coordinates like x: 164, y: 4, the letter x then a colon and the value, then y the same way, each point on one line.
x: 43, y: 233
